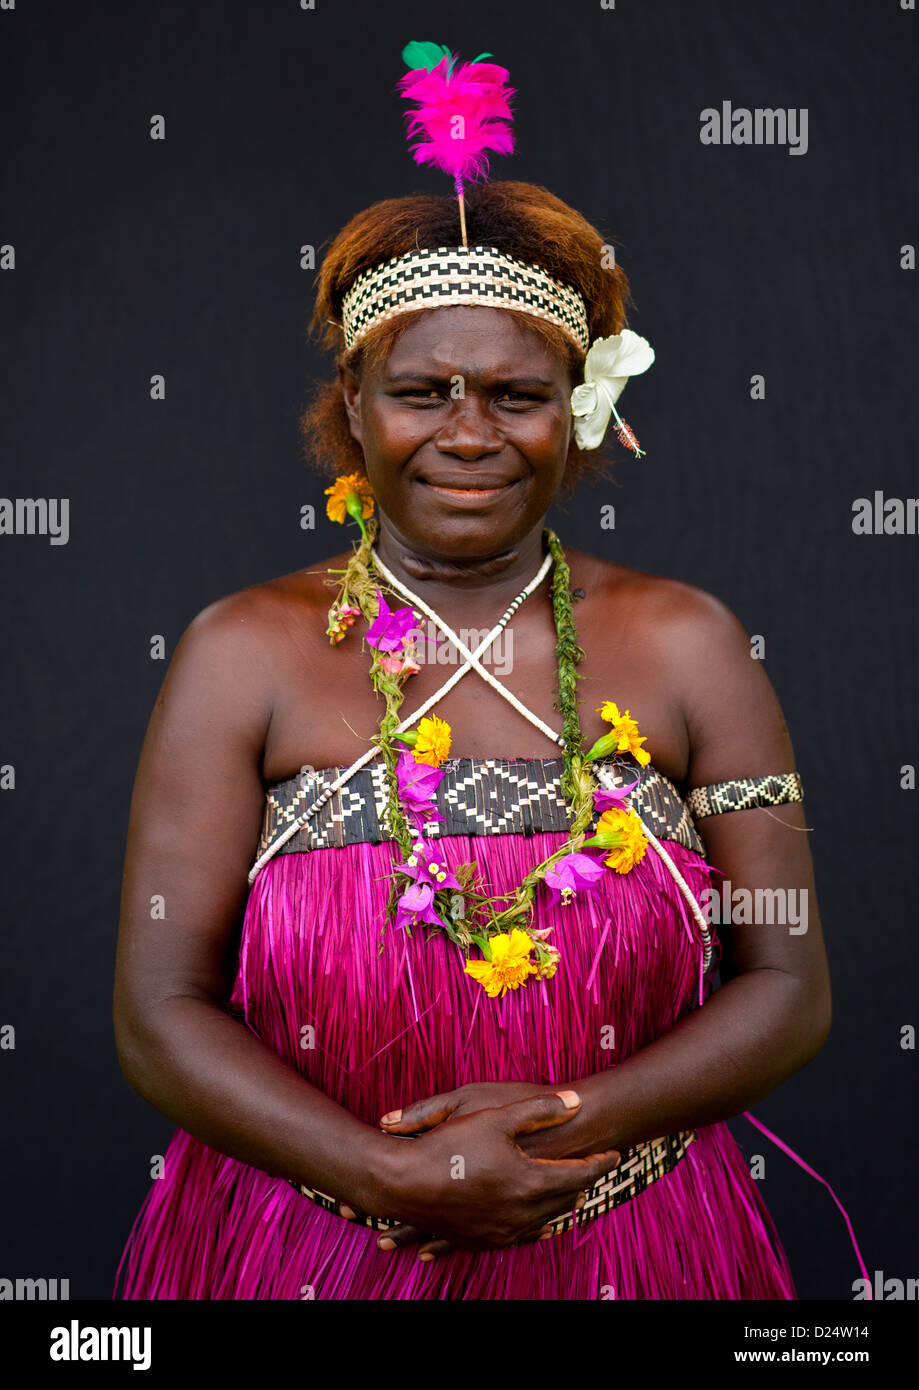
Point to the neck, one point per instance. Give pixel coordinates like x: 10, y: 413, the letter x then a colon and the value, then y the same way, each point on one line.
x: 438, y: 577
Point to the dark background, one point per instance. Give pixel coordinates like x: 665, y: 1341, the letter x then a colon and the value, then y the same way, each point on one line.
x: 136, y: 257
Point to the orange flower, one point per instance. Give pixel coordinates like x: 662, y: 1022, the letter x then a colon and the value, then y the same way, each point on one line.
x: 622, y: 738
x: 338, y: 494
x: 620, y: 832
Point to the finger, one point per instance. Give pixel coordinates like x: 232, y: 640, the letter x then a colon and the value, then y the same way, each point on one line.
x: 398, y: 1236
x: 543, y: 1233
x: 433, y: 1248
x: 543, y: 1225
x: 421, y: 1114
x: 537, y: 1112
x: 563, y: 1175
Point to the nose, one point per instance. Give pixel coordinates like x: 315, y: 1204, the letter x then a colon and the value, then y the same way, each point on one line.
x: 468, y: 432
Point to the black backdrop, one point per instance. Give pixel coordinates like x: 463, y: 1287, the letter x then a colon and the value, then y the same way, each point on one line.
x: 135, y: 257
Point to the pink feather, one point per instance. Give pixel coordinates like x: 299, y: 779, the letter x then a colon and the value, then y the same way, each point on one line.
x: 478, y: 92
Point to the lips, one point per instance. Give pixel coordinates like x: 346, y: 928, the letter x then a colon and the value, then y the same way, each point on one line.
x: 480, y: 483
x: 469, y: 493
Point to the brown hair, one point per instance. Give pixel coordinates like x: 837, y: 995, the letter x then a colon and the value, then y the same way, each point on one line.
x: 520, y: 219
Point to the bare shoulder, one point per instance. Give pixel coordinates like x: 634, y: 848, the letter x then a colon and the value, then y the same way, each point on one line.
x: 695, y: 655
x: 253, y: 620
x: 666, y: 610
x: 240, y: 654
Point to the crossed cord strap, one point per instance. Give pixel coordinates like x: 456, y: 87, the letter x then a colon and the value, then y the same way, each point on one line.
x: 472, y: 662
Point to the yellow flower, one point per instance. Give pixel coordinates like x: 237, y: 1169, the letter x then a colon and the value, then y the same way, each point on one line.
x: 432, y: 745
x: 625, y: 731
x: 632, y: 845
x: 338, y: 495
x: 510, y: 963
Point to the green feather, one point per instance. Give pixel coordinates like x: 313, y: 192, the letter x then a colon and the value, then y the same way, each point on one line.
x: 419, y: 54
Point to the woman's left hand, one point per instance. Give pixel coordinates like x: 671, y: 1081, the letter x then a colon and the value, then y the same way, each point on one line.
x: 465, y: 1100
x: 426, y: 1114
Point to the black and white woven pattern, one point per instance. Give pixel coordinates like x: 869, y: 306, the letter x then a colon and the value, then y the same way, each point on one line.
x: 483, y: 275
x: 743, y: 793
x: 476, y: 796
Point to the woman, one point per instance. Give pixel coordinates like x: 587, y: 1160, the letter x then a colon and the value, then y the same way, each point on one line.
x: 299, y: 1043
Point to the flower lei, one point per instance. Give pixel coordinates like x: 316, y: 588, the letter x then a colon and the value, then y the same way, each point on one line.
x: 500, y: 925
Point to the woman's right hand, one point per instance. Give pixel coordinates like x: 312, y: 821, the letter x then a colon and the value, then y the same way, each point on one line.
x: 468, y: 1183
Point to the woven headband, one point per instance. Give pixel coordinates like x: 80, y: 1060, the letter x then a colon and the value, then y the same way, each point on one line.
x: 460, y: 275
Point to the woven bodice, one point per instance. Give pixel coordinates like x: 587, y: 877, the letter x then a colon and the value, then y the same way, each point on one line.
x: 476, y: 796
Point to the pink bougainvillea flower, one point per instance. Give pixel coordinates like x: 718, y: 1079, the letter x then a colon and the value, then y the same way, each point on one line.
x: 613, y: 798
x: 417, y: 784
x: 417, y: 905
x: 429, y: 867
x: 389, y: 629
x: 576, y: 873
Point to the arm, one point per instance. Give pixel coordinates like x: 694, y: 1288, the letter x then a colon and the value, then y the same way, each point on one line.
x: 772, y: 1015
x: 195, y: 818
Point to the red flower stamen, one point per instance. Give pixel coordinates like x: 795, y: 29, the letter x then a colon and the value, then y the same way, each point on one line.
x: 626, y: 435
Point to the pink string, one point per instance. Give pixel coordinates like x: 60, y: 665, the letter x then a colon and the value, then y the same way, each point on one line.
x: 382, y: 1049
x: 475, y: 1012
x: 593, y: 969
x: 808, y: 1169
x: 408, y: 967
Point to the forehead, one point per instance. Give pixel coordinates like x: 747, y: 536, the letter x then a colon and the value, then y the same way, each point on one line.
x: 464, y: 336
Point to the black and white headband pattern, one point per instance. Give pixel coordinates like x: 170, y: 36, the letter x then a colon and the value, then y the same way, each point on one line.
x: 460, y: 275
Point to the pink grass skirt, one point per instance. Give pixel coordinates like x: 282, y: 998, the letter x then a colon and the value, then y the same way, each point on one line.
x: 396, y: 1024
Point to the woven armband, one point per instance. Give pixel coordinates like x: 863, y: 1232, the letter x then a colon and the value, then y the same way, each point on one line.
x: 745, y: 792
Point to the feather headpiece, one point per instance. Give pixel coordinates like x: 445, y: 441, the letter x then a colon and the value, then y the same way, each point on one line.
x: 461, y: 111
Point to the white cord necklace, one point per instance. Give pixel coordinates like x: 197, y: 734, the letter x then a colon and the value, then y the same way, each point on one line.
x: 471, y: 661
x: 471, y: 658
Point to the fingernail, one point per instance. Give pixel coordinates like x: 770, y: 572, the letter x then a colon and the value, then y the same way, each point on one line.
x: 392, y: 1118
x: 386, y: 1243
x: 347, y: 1212
x: 426, y: 1255
x: 580, y: 1202
x: 569, y: 1099
x: 545, y: 1235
